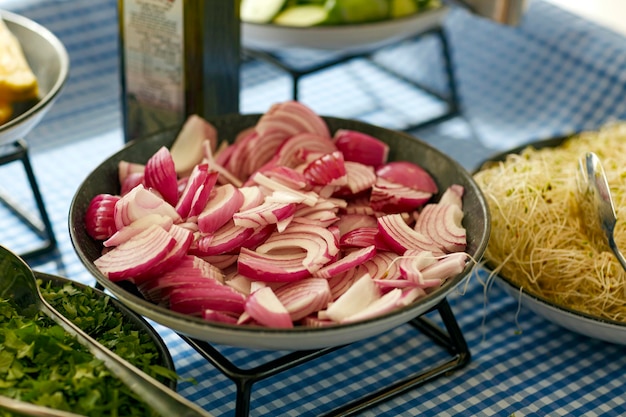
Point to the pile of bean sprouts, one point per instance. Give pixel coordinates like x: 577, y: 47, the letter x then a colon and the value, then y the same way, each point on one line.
x: 541, y: 239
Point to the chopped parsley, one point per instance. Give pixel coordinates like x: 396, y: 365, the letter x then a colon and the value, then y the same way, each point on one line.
x: 41, y: 364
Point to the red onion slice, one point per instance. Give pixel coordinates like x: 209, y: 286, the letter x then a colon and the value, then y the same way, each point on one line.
x: 100, y: 216
x: 265, y: 307
x: 187, y: 147
x: 140, y: 202
x: 304, y: 297
x: 400, y: 237
x: 360, y: 295
x: 408, y: 174
x: 349, y: 261
x: 194, y: 300
x: 137, y: 227
x: 267, y: 267
x: 361, y: 147
x: 160, y: 174
x: 223, y: 203
x: 136, y: 256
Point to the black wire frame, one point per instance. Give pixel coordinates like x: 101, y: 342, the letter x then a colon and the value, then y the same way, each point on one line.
x: 42, y: 227
x: 450, y: 338
x: 451, y: 98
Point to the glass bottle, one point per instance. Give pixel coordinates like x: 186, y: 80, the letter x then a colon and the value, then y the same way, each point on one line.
x: 177, y: 57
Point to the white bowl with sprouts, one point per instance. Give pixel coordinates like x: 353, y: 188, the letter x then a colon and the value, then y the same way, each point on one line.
x: 541, y: 245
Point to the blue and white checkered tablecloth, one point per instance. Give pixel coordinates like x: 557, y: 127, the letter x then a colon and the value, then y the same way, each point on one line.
x: 554, y: 74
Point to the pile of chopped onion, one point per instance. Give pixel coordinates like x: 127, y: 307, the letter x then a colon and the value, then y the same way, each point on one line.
x: 288, y: 225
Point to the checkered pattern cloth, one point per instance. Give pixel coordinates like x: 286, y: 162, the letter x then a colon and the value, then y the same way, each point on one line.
x: 554, y: 74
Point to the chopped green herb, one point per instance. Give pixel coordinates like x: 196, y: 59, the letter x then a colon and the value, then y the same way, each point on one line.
x: 41, y: 364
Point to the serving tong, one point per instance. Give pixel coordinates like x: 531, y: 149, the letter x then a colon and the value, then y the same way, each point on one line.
x: 18, y: 282
x: 595, y: 195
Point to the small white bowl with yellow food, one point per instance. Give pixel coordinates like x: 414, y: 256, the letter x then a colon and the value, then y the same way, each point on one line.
x: 34, y: 66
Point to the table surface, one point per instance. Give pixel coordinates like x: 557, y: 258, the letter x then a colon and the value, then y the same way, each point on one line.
x: 554, y: 74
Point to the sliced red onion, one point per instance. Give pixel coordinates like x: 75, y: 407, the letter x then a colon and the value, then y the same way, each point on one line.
x: 290, y: 153
x: 140, y: 202
x: 160, y: 174
x: 287, y: 176
x: 360, y: 178
x: 361, y: 147
x: 446, y: 267
x: 383, y: 266
x: 408, y: 174
x: 443, y: 224
x: 223, y: 261
x: 413, y: 262
x: 189, y: 270
x: 310, y: 199
x: 187, y: 147
x: 328, y: 169
x: 224, y: 201
x: 264, y: 307
x: 411, y: 295
x: 195, y: 195
x: 136, y: 256
x: 324, y: 218
x: 304, y: 297
x: 100, y: 216
x: 349, y: 261
x: 126, y: 169
x: 453, y: 195
x: 131, y: 181
x: 360, y: 295
x: 259, y: 236
x: 385, y: 284
x: 240, y: 283
x: 306, y: 118
x: 319, y: 243
x: 359, y: 238
x: 361, y: 206
x: 252, y: 197
x: 194, y: 300
x: 383, y: 305
x: 349, y: 222
x: 137, y: 227
x: 400, y: 237
x: 266, y: 267
x: 227, y: 239
x: 219, y: 316
x: 390, y: 198
x: 183, y: 238
x: 340, y: 283
x: 265, y: 214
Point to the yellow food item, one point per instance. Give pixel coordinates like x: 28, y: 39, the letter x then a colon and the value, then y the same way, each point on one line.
x: 539, y: 239
x: 6, y: 111
x: 17, y: 80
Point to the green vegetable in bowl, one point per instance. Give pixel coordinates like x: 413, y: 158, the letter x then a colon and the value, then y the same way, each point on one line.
x: 304, y: 13
x: 41, y: 364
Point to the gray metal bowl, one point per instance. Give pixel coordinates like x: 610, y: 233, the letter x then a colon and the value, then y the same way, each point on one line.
x: 49, y: 61
x: 445, y: 171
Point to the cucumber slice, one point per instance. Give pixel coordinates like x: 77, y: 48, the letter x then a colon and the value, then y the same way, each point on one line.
x: 302, y: 16
x: 260, y: 11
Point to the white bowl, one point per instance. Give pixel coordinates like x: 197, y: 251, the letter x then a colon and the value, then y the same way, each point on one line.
x: 591, y: 326
x: 345, y: 38
x: 49, y: 61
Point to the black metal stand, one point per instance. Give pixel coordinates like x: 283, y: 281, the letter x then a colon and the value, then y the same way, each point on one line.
x: 450, y: 339
x: 18, y: 151
x: 297, y: 72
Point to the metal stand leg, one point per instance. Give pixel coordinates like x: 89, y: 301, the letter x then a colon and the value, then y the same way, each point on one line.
x: 42, y: 226
x: 451, y: 339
